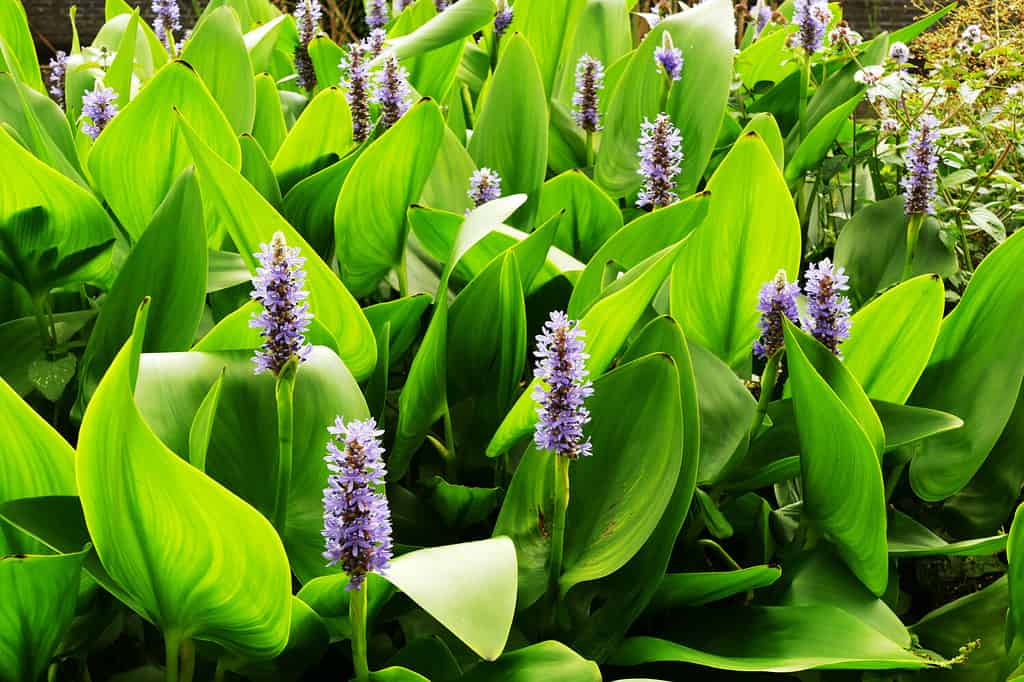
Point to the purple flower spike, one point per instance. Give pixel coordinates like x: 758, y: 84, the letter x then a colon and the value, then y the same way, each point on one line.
x: 899, y: 53
x: 484, y: 186
x: 669, y: 58
x: 58, y: 69
x: 922, y: 167
x: 357, y: 519
x: 763, y: 14
x: 377, y: 13
x: 441, y: 5
x: 828, y: 311
x: 812, y: 18
x: 98, y: 109
x: 357, y: 89
x: 167, y: 21
x: 392, y: 92
x: 661, y: 152
x: 283, y: 323
x: 307, y: 20
x: 503, y: 18
x: 402, y: 4
x: 376, y: 40
x: 589, y: 80
x: 777, y: 299
x: 563, y: 388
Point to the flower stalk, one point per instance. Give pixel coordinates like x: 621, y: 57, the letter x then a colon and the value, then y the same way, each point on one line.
x: 357, y: 608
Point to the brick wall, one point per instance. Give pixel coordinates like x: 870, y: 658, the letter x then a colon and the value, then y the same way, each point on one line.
x: 874, y: 16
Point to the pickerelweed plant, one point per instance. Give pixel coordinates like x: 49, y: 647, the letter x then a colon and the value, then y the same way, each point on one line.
x: 312, y: 324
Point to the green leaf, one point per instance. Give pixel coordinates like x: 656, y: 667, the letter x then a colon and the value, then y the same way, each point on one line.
x: 1015, y: 575
x: 369, y: 219
x: 39, y: 603
x: 16, y: 35
x: 603, y: 32
x: 622, y: 597
x: 268, y: 125
x: 310, y: 204
x: 591, y: 217
x: 819, y: 140
x: 608, y: 323
x: 696, y: 589
x: 308, y: 640
x: 696, y: 103
x: 324, y: 128
x: 20, y: 104
x: 201, y: 431
x: 459, y: 21
x: 200, y: 562
x: 327, y: 596
x: 873, y: 246
x: 461, y: 505
x: 971, y: 375
x: 141, y: 153
x: 169, y: 265
x: 51, y: 377
x: 23, y: 344
x: 326, y: 56
x: 834, y: 416
x: 548, y: 27
x: 218, y: 53
x: 893, y: 337
x: 250, y: 220
x: 404, y: 316
x: 908, y: 538
x: 256, y: 169
x: 446, y: 187
x: 511, y: 132
x: 171, y: 390
x: 66, y: 244
x: 37, y: 461
x: 396, y: 674
x: 433, y: 73
x: 470, y: 588
x: 767, y: 128
x: 747, y: 639
x: 119, y: 75
x: 819, y: 578
x: 751, y: 232
x: 641, y: 238
x: 234, y: 333
x: 548, y: 660
x: 262, y: 40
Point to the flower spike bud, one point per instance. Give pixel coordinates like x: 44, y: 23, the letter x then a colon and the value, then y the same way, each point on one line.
x: 98, y: 109
x: 167, y: 21
x: 776, y: 300
x: 503, y: 18
x: 919, y: 183
x: 376, y: 13
x: 357, y: 519
x: 58, y: 70
x: 484, y: 186
x: 284, y: 320
x: 307, y: 19
x: 392, y: 92
x: 661, y: 152
x: 828, y: 310
x: 357, y: 86
x: 812, y: 18
x: 669, y: 58
x: 589, y: 81
x: 563, y: 388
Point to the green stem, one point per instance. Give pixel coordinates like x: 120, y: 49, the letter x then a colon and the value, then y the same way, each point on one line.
x: 403, y: 276
x: 913, y: 230
x: 590, y: 149
x: 218, y: 674
x: 467, y: 106
x: 357, y: 615
x: 768, y: 379
x: 172, y: 643
x: 188, y: 661
x: 558, y: 523
x: 965, y: 244
x: 449, y: 440
x: 805, y: 81
x: 283, y: 391
x: 894, y: 479
x: 51, y: 672
x: 720, y: 551
x: 39, y: 308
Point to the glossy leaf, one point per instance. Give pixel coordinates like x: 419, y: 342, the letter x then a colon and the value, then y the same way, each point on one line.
x: 455, y: 23
x: 834, y: 417
x: 819, y: 140
x: 323, y: 129
x: 168, y: 265
x: 511, y: 133
x: 199, y: 561
x: 548, y: 660
x: 250, y: 221
x: 908, y: 538
x: 548, y: 27
x: 39, y: 603
x: 696, y: 589
x: 369, y: 220
x: 268, y: 125
x: 217, y: 51
x: 751, y: 232
x: 16, y: 35
x: 971, y: 375
x: 591, y: 217
x: 141, y: 153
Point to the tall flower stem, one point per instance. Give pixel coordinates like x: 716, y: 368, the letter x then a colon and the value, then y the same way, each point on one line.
x: 913, y: 231
x: 558, y: 524
x: 769, y: 377
x: 172, y: 647
x: 284, y: 391
x: 357, y: 615
x: 188, y: 661
x: 590, y: 149
x: 805, y: 85
x: 449, y: 441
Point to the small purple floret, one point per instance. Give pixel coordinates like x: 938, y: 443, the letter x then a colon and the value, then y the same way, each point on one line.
x: 503, y: 19
x: 776, y: 300
x: 661, y: 152
x: 167, y: 20
x: 357, y: 519
x: 376, y: 13
x: 669, y: 59
x: 484, y: 186
x: 58, y: 69
x: 358, y: 88
x: 392, y: 92
x: 307, y: 20
x: 563, y: 388
x: 98, y: 109
x: 828, y: 311
x: 589, y: 81
x: 919, y: 183
x: 284, y: 320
